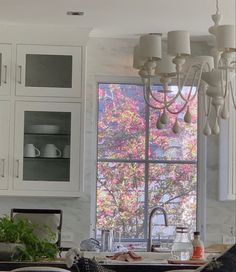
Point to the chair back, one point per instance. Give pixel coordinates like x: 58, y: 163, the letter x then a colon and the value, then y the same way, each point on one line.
x: 42, y: 218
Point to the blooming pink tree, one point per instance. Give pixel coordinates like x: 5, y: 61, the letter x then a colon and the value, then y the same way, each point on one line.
x: 125, y: 162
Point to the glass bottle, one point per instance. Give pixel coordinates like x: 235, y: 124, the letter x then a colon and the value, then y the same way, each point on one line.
x: 198, y: 246
x: 182, y: 246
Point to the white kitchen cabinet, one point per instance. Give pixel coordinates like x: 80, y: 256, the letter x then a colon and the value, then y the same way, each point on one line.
x: 227, y: 159
x: 54, y: 71
x: 5, y: 69
x: 48, y: 148
x: 4, y: 143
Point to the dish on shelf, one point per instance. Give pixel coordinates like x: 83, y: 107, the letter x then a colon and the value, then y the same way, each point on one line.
x: 47, y: 129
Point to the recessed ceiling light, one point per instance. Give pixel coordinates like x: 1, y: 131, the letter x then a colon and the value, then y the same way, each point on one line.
x: 78, y: 13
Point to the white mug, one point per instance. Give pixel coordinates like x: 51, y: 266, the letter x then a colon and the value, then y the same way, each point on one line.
x: 66, y: 151
x: 51, y: 151
x: 31, y: 151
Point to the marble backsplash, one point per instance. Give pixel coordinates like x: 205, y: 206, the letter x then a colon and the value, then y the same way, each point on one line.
x: 113, y: 57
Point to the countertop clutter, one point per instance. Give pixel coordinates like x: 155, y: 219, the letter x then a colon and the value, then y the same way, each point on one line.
x: 224, y: 263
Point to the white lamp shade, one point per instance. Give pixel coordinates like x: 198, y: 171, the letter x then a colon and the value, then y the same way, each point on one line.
x: 225, y: 38
x: 150, y: 46
x: 137, y: 61
x: 178, y: 43
x: 166, y: 66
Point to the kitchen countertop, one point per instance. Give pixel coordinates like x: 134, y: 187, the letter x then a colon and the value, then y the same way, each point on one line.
x: 150, y: 262
x: 124, y: 267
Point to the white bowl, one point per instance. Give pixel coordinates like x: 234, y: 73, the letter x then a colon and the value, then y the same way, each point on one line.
x: 47, y: 129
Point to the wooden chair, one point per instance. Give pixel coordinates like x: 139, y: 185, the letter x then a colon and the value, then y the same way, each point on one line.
x: 51, y: 218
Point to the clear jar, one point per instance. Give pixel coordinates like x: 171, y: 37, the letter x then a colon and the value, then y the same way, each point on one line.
x: 182, y: 246
x: 106, y: 240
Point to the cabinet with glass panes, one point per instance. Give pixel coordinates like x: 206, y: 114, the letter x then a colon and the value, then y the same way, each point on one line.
x: 41, y: 117
x: 44, y: 157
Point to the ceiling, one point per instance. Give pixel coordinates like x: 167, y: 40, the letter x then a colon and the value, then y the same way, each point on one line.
x: 119, y: 18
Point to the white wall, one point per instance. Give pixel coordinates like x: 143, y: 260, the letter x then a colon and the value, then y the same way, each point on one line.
x: 112, y: 57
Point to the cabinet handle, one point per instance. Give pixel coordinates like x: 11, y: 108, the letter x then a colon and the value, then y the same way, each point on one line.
x: 5, y: 74
x: 3, y: 168
x: 19, y: 74
x: 17, y: 168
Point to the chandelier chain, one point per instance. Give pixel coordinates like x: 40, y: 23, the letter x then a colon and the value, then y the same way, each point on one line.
x: 217, y: 7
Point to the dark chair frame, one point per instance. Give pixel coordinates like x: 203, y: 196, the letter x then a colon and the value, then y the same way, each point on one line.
x: 42, y: 211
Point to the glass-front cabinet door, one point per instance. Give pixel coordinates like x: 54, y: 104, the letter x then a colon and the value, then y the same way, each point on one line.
x: 49, y: 70
x: 47, y: 146
x: 5, y: 64
x: 4, y: 143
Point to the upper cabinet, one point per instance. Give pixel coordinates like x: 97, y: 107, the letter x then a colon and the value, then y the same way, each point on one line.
x: 49, y: 71
x: 5, y: 69
x: 227, y: 159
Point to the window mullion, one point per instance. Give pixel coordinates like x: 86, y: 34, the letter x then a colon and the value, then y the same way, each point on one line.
x: 146, y: 174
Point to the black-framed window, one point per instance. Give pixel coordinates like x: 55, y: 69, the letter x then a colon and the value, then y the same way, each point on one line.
x: 139, y: 166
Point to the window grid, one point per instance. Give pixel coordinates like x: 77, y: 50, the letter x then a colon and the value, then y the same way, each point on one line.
x: 146, y: 161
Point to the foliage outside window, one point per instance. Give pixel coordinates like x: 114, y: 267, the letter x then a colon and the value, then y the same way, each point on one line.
x: 139, y: 166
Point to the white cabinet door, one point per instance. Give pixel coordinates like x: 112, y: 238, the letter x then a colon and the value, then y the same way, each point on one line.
x: 49, y: 71
x: 4, y: 143
x: 227, y: 159
x: 48, y: 147
x: 5, y: 68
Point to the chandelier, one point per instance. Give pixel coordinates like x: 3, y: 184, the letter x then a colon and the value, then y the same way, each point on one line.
x: 210, y: 75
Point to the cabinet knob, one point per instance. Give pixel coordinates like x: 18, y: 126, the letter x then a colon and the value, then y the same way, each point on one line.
x: 3, y: 168
x: 19, y: 74
x: 17, y: 168
x: 5, y: 74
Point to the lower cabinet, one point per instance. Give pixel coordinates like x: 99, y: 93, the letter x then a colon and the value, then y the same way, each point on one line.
x: 47, y: 147
x: 4, y: 144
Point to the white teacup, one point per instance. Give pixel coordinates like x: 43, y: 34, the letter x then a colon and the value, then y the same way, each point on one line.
x: 66, y: 151
x: 31, y: 151
x: 51, y: 151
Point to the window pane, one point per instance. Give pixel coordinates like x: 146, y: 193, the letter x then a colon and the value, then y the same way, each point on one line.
x: 120, y: 198
x: 121, y: 121
x: 174, y: 187
x: 54, y: 71
x: 164, y: 144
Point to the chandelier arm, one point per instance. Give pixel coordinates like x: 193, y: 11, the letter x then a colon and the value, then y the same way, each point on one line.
x: 206, y: 100
x: 226, y: 82
x: 224, y: 88
x: 167, y: 103
x: 207, y: 108
x: 149, y: 104
x: 198, y: 84
x: 179, y: 111
x: 232, y: 95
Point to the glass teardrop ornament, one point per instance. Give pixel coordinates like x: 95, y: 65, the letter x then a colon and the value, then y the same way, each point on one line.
x: 207, y: 129
x: 188, y: 116
x: 164, y: 118
x: 159, y: 124
x: 224, y: 113
x: 176, y: 127
x: 216, y: 128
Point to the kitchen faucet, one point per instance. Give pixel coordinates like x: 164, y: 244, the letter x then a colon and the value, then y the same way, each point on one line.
x: 153, y: 211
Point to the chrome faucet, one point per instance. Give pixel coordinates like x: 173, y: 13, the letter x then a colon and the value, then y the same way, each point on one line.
x: 153, y: 211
